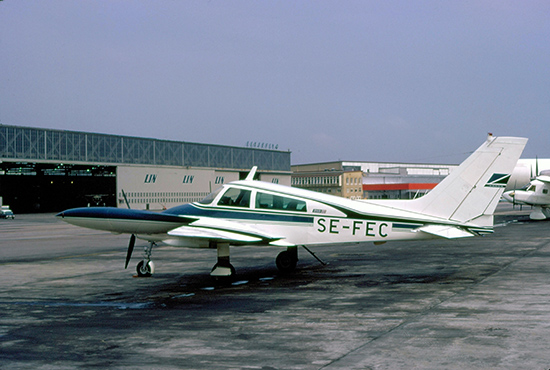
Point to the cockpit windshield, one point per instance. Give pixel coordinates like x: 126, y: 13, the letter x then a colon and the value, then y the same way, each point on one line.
x: 235, y: 197
x: 210, y: 197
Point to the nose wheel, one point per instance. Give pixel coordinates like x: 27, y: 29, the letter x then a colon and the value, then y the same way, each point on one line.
x: 145, y: 268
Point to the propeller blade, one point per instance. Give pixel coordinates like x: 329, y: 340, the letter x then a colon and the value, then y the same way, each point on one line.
x: 513, y: 194
x: 125, y: 199
x: 130, y: 250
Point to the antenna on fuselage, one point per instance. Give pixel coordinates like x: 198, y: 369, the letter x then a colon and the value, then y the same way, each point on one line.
x: 251, y: 174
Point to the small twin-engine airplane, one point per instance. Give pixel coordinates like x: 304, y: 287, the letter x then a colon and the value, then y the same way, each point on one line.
x: 251, y: 212
x: 536, y: 194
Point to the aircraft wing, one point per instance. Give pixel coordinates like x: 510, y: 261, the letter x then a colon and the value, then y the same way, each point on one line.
x: 222, y: 230
x: 544, y: 178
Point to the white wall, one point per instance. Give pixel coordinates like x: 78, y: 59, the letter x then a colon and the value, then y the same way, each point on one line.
x: 157, y: 188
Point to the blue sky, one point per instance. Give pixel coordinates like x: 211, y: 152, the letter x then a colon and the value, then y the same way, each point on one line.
x: 408, y: 81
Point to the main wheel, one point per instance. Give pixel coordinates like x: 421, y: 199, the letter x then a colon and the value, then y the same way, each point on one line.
x: 145, y: 269
x: 286, y: 261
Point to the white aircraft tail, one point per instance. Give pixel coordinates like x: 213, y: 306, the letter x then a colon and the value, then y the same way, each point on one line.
x: 472, y: 191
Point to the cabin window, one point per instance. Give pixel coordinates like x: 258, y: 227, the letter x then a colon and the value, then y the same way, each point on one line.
x: 235, y: 197
x: 270, y: 201
x: 544, y: 191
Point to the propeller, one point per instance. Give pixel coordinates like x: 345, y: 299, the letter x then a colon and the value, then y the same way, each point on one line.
x: 132, y: 237
x: 130, y: 250
x: 513, y: 194
x: 536, y: 168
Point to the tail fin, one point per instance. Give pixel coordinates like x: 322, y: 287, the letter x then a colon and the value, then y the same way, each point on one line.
x: 472, y: 191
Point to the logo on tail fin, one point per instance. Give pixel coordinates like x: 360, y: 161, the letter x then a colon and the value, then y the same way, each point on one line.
x: 498, y: 180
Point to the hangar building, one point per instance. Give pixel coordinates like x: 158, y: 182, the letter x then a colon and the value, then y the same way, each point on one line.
x: 45, y: 170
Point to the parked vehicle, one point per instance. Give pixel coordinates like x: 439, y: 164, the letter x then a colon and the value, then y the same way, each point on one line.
x: 6, y: 212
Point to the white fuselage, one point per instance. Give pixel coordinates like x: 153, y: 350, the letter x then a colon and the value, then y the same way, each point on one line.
x: 537, y: 194
x: 320, y: 219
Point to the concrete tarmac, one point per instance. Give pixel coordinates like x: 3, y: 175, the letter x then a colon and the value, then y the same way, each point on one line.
x: 479, y: 303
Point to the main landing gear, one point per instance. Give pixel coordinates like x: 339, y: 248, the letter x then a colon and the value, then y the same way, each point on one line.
x: 286, y: 261
x: 223, y: 268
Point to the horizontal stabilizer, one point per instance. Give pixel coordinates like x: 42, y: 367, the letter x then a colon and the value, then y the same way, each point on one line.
x: 447, y: 232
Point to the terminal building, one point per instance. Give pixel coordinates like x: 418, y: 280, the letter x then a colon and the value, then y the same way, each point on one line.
x: 45, y: 170
x: 370, y: 180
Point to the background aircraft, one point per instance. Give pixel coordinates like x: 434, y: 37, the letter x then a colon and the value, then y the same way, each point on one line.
x: 536, y: 194
x: 257, y: 213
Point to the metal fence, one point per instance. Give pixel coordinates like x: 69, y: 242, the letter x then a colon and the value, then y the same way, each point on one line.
x: 36, y: 144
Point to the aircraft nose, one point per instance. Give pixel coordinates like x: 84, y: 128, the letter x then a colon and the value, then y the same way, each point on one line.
x: 509, y: 196
x: 68, y: 213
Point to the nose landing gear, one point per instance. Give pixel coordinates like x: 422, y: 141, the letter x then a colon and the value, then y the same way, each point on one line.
x: 146, y: 267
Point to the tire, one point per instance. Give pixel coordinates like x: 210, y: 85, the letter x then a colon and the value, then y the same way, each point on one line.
x: 145, y: 270
x: 286, y: 261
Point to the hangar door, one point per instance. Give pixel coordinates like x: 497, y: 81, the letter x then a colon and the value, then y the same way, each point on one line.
x: 38, y: 187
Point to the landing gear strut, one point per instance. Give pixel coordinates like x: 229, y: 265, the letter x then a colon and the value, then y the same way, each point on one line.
x: 286, y: 261
x: 223, y: 268
x: 146, y: 267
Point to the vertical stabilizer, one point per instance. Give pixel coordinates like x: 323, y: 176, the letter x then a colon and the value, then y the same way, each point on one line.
x: 472, y: 191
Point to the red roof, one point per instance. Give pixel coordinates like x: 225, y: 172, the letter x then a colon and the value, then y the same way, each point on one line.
x: 403, y: 186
